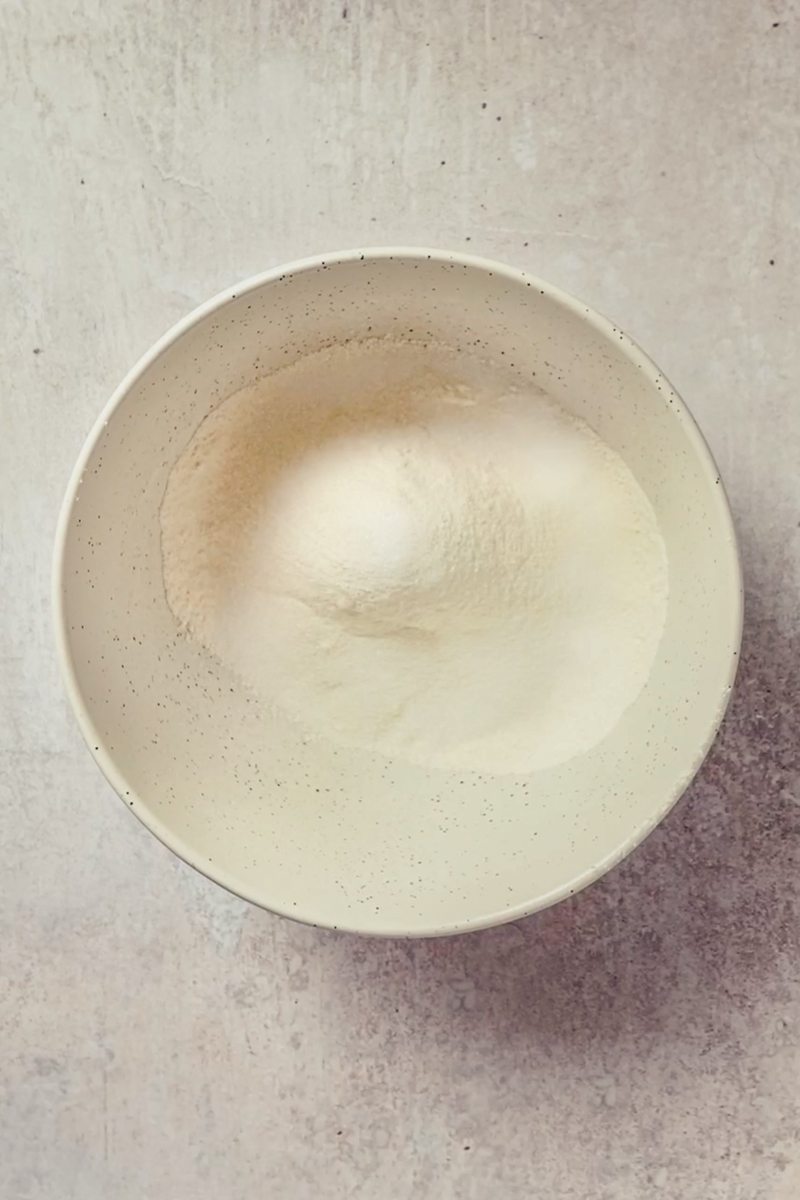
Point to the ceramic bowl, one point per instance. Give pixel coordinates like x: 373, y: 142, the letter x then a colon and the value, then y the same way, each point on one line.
x: 346, y: 838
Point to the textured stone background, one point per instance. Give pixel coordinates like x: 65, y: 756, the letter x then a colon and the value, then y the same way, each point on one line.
x: 160, y: 1039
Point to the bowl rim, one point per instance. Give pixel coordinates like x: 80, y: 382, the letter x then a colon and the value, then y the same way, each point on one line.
x: 94, y: 739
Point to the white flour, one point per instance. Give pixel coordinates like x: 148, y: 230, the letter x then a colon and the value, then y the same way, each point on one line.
x: 405, y: 555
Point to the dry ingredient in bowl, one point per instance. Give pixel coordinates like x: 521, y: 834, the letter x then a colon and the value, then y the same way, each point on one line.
x: 407, y: 552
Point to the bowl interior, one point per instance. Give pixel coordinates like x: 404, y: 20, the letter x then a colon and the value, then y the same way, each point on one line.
x: 343, y: 837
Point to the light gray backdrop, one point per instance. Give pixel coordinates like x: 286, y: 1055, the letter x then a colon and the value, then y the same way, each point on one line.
x: 160, y: 1039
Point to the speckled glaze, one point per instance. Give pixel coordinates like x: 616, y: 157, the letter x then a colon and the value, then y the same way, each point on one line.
x: 345, y: 838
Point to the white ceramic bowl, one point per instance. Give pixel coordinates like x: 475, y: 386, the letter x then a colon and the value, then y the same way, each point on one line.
x: 345, y: 838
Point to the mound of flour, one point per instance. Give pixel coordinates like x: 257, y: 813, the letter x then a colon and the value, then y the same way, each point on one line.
x: 405, y: 556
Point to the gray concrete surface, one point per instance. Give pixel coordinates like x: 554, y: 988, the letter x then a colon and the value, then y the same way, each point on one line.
x: 160, y: 1039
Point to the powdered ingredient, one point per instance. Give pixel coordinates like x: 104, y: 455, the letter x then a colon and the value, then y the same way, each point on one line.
x: 406, y: 551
